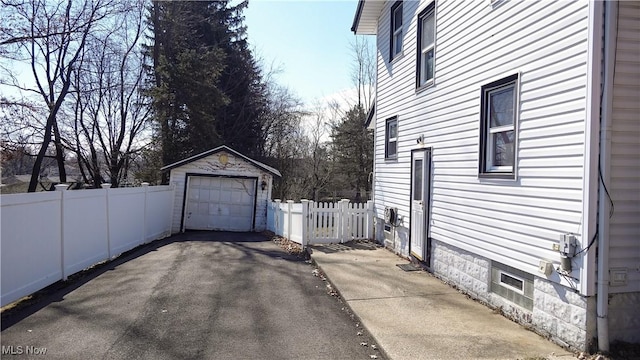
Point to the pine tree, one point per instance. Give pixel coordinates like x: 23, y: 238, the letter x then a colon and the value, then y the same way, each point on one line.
x: 352, y: 147
x: 239, y: 121
x: 207, y: 89
x: 185, y: 73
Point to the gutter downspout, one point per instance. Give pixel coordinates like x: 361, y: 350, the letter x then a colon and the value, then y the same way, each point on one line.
x: 604, y: 206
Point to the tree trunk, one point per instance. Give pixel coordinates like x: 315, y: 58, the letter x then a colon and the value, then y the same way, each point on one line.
x: 62, y: 173
x: 35, y: 173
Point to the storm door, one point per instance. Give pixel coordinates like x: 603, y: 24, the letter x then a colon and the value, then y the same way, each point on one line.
x: 420, y: 196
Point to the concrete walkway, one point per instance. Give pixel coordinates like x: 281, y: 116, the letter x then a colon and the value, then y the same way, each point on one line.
x: 413, y: 315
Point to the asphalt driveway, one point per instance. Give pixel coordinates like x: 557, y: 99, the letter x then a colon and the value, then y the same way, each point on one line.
x: 194, y: 296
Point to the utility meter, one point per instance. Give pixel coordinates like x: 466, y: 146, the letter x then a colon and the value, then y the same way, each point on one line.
x: 567, y: 250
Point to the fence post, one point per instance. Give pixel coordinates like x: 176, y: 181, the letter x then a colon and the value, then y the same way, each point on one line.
x: 305, y: 223
x: 145, y: 186
x: 106, y: 187
x: 62, y: 188
x: 277, y: 215
x: 371, y: 231
x: 289, y: 218
x: 173, y: 206
x: 344, y: 222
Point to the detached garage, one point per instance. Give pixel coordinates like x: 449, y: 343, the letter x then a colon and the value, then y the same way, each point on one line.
x: 220, y: 189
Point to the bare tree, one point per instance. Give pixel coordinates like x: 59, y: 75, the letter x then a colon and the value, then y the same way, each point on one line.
x: 110, y: 111
x: 50, y: 36
x: 363, y: 72
x: 284, y: 139
x: 351, y: 147
x: 319, y: 169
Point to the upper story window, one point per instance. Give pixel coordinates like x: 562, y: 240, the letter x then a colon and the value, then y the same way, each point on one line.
x: 426, y: 46
x: 396, y: 29
x: 391, y: 138
x: 498, y: 119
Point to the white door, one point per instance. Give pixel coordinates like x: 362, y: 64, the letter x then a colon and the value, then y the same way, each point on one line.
x: 420, y: 188
x: 220, y: 203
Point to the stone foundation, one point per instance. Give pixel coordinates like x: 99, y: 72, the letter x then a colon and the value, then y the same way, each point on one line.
x: 558, y: 313
x: 565, y: 316
x: 464, y: 270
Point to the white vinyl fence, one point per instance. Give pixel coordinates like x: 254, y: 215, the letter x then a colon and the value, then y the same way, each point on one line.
x: 47, y: 236
x: 311, y: 222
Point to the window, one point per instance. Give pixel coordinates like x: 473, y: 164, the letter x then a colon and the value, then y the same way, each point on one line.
x: 417, y: 180
x: 426, y: 46
x: 391, y: 138
x: 396, y: 29
x: 512, y: 284
x: 498, y: 128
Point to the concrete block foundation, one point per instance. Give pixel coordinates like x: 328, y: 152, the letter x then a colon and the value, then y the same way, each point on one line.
x: 558, y: 313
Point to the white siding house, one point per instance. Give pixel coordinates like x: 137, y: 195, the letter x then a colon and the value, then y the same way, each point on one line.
x: 499, y: 125
x: 220, y: 189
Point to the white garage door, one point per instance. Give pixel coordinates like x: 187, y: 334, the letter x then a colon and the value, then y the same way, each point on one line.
x: 220, y: 203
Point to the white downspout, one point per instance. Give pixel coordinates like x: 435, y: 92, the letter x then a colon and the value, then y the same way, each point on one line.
x: 610, y: 35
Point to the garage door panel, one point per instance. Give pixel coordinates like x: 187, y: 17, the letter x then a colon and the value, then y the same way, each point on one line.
x: 203, y: 208
x: 239, y: 210
x: 225, y: 196
x: 194, y: 195
x: 217, y: 203
x: 237, y: 197
x: 204, y: 195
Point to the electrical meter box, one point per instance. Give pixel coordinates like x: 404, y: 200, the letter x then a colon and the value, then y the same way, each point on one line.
x: 568, y: 245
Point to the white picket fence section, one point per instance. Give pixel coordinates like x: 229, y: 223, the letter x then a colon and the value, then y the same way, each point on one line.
x: 311, y: 222
x: 285, y: 219
x: 47, y: 236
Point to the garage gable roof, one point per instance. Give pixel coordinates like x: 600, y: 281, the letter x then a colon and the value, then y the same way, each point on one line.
x: 257, y: 164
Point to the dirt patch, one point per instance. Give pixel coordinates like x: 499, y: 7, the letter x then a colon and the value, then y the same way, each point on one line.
x: 291, y: 247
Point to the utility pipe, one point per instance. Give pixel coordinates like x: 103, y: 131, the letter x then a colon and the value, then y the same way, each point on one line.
x: 602, y: 306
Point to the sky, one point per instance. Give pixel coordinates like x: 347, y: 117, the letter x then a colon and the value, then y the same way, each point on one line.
x: 308, y: 40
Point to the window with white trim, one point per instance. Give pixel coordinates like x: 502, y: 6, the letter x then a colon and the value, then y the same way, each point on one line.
x: 498, y: 119
x: 396, y: 30
x: 391, y: 138
x: 426, y: 46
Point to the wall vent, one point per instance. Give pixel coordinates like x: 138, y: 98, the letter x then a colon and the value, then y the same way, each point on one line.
x: 512, y: 284
x: 511, y: 281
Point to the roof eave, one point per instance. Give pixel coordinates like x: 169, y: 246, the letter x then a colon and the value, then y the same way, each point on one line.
x: 256, y: 163
x: 370, y: 115
x: 356, y: 18
x: 365, y: 21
